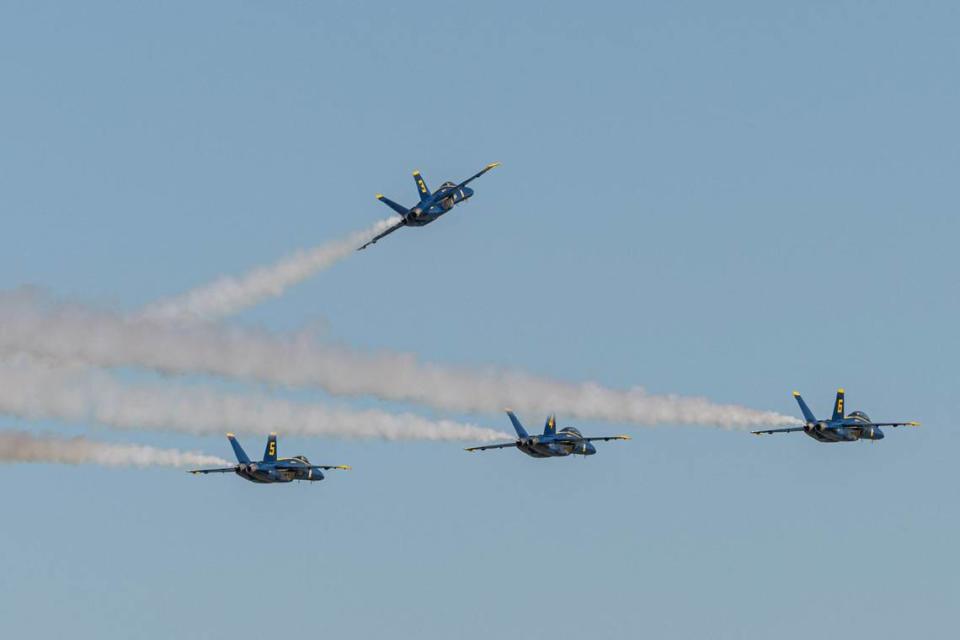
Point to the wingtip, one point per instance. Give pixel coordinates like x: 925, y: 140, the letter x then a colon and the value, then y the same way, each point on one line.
x: 379, y: 196
x: 493, y: 165
x: 914, y: 423
x: 625, y: 437
x: 345, y: 467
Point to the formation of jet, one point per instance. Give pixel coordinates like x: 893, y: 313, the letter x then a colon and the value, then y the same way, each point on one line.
x: 431, y: 205
x: 552, y: 444
x: 272, y: 469
x: 840, y: 427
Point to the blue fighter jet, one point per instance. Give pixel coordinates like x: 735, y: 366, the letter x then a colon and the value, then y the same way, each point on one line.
x: 840, y: 427
x: 431, y: 205
x: 552, y: 444
x: 272, y: 469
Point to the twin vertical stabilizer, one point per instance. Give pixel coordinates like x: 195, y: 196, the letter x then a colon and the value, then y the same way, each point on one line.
x: 838, y: 406
x: 521, y: 432
x: 422, y: 189
x: 242, y: 456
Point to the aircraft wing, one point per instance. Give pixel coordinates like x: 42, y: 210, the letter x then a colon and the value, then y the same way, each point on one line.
x: 324, y: 467
x: 763, y: 432
x: 474, y: 176
x: 505, y: 445
x: 607, y: 438
x: 384, y: 233
x: 888, y: 424
x: 223, y: 470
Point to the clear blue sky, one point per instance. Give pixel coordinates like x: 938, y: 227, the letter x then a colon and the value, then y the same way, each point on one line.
x: 727, y: 199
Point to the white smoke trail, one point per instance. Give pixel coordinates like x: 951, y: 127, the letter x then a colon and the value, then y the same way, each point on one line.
x: 21, y: 446
x: 109, y: 340
x: 32, y: 389
x: 229, y: 295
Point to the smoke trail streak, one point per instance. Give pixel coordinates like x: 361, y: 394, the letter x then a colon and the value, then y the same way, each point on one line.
x: 21, y: 446
x: 33, y: 389
x: 109, y: 340
x: 229, y: 295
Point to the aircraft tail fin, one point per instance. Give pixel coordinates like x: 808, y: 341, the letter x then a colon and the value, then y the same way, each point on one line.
x: 521, y: 432
x: 403, y: 211
x: 550, y: 427
x: 424, y: 192
x: 838, y: 406
x: 237, y: 449
x: 270, y: 453
x: 804, y: 409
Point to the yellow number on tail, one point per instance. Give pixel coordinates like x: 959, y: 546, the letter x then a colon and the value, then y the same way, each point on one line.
x: 273, y: 448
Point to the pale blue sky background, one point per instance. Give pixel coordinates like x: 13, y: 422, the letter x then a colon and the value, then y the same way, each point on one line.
x: 726, y: 199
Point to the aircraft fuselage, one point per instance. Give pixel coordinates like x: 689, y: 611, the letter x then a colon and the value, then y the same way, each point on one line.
x: 266, y: 473
x: 846, y: 430
x: 426, y: 211
x: 555, y: 447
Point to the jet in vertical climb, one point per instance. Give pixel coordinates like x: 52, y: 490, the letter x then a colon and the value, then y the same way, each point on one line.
x: 432, y: 205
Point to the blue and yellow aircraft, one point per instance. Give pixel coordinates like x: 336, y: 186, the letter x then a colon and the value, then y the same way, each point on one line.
x: 840, y: 427
x: 431, y: 205
x: 552, y: 444
x: 272, y: 469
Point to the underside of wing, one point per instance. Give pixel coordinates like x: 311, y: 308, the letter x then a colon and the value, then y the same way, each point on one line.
x: 607, y: 438
x: 889, y: 424
x: 286, y: 466
x: 383, y: 233
x: 763, y: 432
x: 506, y: 445
x: 475, y: 176
x: 223, y: 470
